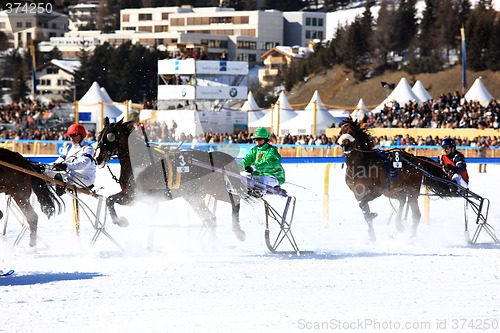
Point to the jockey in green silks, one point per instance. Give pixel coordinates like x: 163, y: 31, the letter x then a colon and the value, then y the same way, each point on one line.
x: 263, y: 161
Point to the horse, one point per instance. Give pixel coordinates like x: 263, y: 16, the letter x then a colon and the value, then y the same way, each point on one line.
x: 371, y: 173
x: 149, y: 171
x: 19, y: 186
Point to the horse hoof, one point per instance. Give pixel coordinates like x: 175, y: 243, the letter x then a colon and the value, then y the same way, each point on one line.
x: 400, y: 227
x: 121, y: 222
x: 240, y: 234
x: 32, y: 239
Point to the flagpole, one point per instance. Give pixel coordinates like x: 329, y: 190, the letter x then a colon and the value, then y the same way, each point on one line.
x: 464, y: 61
x: 33, y: 69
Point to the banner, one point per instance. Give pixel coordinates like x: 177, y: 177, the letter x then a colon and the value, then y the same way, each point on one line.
x: 464, y: 61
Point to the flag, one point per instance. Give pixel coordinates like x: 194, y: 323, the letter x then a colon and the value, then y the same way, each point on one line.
x: 33, y: 69
x: 464, y: 61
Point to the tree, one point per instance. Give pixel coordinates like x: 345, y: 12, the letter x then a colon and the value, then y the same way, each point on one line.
x: 478, y: 34
x: 383, y: 35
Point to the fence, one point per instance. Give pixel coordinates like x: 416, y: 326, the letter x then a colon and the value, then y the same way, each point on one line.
x: 39, y: 147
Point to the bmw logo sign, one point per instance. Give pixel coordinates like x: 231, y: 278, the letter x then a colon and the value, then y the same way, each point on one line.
x: 233, y: 92
x: 183, y: 92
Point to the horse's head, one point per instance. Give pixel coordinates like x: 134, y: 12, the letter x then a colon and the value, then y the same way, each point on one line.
x: 108, y: 141
x: 346, y: 138
x: 352, y: 136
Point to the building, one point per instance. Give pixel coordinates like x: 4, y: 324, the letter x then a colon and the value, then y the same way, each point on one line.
x: 277, y: 58
x: 23, y: 28
x: 301, y: 27
x: 54, y: 79
x: 83, y: 15
x: 245, y: 35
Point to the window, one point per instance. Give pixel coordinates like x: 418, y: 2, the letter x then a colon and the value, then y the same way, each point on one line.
x: 308, y: 21
x: 267, y: 45
x: 248, y: 32
x: 241, y: 20
x: 320, y: 22
x: 247, y: 45
x: 145, y: 17
x: 177, y: 22
x: 221, y: 20
x: 126, y: 17
x: 164, y: 16
x: 308, y: 34
x: 314, y: 22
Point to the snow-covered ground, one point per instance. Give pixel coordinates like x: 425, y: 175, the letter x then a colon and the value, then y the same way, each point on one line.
x: 184, y: 283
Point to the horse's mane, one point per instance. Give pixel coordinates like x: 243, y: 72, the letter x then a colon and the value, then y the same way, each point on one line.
x: 362, y: 135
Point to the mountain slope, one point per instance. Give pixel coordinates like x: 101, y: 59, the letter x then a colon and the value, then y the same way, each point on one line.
x: 338, y: 88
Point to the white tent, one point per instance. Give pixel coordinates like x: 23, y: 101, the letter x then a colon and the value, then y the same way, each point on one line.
x: 253, y: 110
x: 316, y: 103
x: 304, y: 122
x: 279, y: 114
x: 360, y: 111
x: 401, y: 94
x: 478, y: 92
x: 421, y: 92
x: 89, y: 106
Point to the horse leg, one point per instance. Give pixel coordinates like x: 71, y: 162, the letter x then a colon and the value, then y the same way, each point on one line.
x: 369, y: 216
x: 198, y: 204
x: 235, y: 204
x: 399, y: 216
x: 121, y: 199
x: 31, y: 217
x: 415, y: 215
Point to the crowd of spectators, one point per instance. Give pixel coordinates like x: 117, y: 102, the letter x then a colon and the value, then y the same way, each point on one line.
x: 29, y: 120
x: 448, y: 111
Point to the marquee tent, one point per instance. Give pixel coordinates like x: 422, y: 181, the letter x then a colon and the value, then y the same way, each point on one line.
x: 401, y: 94
x: 89, y: 106
x: 421, y: 92
x: 316, y: 103
x: 360, y: 111
x: 253, y: 110
x: 478, y: 92
x: 315, y: 119
x: 279, y: 114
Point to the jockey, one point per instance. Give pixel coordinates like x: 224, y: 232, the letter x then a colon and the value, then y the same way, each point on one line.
x: 263, y: 161
x: 77, y: 162
x: 454, y: 162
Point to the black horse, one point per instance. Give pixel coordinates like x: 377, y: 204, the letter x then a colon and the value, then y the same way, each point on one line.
x: 168, y: 174
x: 394, y: 173
x: 18, y: 179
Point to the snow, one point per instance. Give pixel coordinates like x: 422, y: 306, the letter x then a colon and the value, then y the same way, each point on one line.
x: 188, y: 283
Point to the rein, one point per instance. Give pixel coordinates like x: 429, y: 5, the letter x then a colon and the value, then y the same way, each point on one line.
x: 112, y: 174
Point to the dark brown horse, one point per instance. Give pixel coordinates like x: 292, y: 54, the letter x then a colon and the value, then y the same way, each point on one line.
x: 394, y: 173
x: 19, y: 184
x: 147, y: 171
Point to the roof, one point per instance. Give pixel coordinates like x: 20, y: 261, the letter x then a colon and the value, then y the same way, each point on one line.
x: 302, y: 52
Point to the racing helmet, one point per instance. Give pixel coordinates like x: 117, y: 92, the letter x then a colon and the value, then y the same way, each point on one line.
x: 77, y: 129
x: 260, y: 133
x: 448, y: 142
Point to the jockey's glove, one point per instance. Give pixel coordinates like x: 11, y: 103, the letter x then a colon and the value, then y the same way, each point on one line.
x: 249, y: 169
x: 61, y: 166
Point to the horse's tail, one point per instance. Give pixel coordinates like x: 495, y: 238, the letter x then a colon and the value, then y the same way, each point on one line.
x: 45, y: 193
x: 435, y: 178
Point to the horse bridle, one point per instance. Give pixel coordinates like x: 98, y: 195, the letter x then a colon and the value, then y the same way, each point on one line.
x: 109, y: 141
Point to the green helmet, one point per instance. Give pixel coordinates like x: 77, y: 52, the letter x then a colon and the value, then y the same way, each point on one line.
x: 260, y: 133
